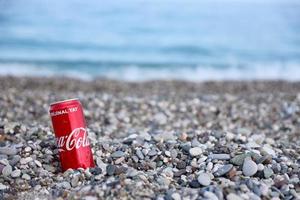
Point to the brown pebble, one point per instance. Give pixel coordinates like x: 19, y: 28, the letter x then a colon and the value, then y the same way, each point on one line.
x: 232, y: 173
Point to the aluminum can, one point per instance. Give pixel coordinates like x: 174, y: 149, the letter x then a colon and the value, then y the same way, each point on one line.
x: 71, y: 134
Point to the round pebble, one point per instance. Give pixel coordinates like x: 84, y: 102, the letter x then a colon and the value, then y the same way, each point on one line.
x: 7, y: 170
x: 249, y: 167
x: 204, y: 179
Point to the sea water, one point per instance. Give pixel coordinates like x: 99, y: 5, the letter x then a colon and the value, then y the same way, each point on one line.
x: 140, y: 40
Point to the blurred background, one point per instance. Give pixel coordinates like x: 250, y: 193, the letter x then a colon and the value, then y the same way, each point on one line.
x: 139, y: 40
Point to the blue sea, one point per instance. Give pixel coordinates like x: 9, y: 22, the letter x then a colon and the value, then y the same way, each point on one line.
x: 138, y: 40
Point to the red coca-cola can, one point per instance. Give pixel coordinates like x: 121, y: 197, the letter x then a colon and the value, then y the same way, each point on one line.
x: 71, y: 134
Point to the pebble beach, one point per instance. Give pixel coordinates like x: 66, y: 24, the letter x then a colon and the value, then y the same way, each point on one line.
x: 154, y: 140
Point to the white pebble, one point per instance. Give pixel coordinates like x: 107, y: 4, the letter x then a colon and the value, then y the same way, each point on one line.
x: 260, y: 167
x: 204, y: 179
x: 16, y: 173
x: 196, y: 151
x: 249, y: 167
x: 233, y: 196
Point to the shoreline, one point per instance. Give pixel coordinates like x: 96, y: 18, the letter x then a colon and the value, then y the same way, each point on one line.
x: 210, y: 140
x: 110, y: 85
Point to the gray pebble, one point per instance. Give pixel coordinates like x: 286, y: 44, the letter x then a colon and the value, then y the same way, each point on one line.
x: 117, y: 154
x: 110, y: 169
x: 26, y: 160
x: 268, y: 172
x: 15, y: 160
x: 26, y: 177
x: 74, y: 181
x: 8, y: 150
x: 219, y: 156
x: 140, y: 154
x: 233, y: 196
x: 223, y: 170
x: 7, y: 170
x: 174, y: 153
x: 16, y: 173
x: 152, y: 152
x: 210, y: 196
x: 65, y: 185
x: 238, y: 159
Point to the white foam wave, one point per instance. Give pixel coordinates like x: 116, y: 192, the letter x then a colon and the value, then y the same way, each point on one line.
x: 290, y: 72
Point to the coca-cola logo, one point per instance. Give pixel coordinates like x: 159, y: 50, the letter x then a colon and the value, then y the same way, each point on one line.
x: 76, y: 139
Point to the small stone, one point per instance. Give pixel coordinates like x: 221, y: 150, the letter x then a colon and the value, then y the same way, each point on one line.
x: 26, y: 177
x: 204, y: 179
x: 120, y: 170
x: 196, y: 151
x: 49, y: 168
x: 152, y: 152
x: 15, y: 160
x: 16, y: 173
x: 26, y: 160
x: 119, y: 160
x: 140, y: 154
x: 219, y: 156
x: 3, y: 187
x: 131, y: 173
x: 110, y: 169
x: 74, y: 181
x: 223, y: 170
x: 65, y: 185
x: 181, y: 165
x: 174, y: 153
x: 238, y: 159
x: 232, y: 173
x: 160, y: 118
x: 268, y: 172
x: 96, y: 170
x: 210, y: 196
x: 260, y: 167
x: 117, y: 154
x: 176, y: 196
x: 27, y: 149
x: 38, y: 163
x: 8, y: 150
x: 233, y: 196
x: 267, y: 149
x: 244, y: 131
x: 168, y: 153
x: 266, y: 159
x: 165, y: 136
x: 249, y: 167
x: 194, y: 184
x: 7, y: 170
x: 168, y: 171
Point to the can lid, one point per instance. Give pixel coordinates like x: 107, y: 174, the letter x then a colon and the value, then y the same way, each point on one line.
x: 63, y: 101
